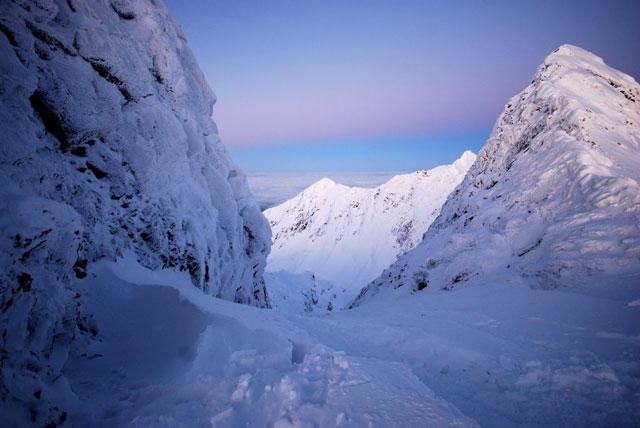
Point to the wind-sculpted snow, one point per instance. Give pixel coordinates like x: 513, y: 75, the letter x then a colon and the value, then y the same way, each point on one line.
x: 554, y: 196
x: 348, y: 235
x: 107, y: 145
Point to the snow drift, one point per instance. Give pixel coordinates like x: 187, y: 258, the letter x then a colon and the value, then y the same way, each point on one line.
x: 108, y: 145
x: 554, y: 197
x: 348, y: 235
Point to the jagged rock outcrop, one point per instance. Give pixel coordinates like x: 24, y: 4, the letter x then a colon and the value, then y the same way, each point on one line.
x: 107, y: 146
x: 554, y: 197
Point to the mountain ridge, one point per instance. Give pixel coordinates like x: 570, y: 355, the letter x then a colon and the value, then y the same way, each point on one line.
x: 346, y: 235
x: 553, y: 198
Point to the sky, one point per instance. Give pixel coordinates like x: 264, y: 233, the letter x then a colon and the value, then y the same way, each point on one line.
x: 372, y: 85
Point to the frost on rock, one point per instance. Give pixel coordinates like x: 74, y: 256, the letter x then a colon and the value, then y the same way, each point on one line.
x: 108, y: 145
x: 554, y: 197
x: 348, y: 235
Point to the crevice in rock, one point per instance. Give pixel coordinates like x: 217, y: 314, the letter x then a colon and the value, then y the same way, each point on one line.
x: 530, y: 248
x: 11, y: 37
x: 125, y: 15
x: 48, y: 39
x: 105, y: 72
x: 100, y: 174
x: 52, y: 120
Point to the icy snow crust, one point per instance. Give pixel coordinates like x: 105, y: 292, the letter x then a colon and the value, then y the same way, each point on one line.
x: 107, y: 145
x: 348, y: 235
x: 554, y: 197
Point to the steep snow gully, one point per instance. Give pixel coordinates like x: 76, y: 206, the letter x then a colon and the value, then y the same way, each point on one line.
x: 129, y: 239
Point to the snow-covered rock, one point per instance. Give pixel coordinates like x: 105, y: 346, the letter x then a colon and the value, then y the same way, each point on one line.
x: 554, y: 196
x: 348, y: 235
x: 107, y: 145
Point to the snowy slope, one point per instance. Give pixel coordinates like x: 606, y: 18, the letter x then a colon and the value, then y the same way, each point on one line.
x: 348, y: 235
x: 554, y: 197
x: 304, y: 293
x: 506, y: 354
x: 107, y: 145
x: 216, y: 364
x: 501, y: 356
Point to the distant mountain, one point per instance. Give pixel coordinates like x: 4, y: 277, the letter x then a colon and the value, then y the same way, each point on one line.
x: 348, y: 235
x: 554, y: 197
x: 107, y: 147
x: 271, y: 189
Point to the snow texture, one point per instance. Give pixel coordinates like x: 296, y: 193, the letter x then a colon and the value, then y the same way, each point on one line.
x: 348, y: 235
x: 296, y: 293
x: 170, y: 357
x: 503, y: 354
x: 108, y: 145
x: 554, y: 197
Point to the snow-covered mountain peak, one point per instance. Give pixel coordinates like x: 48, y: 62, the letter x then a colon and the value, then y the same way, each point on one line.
x: 567, y: 50
x: 464, y: 162
x: 577, y: 93
x: 584, y: 81
x: 322, y: 186
x: 554, y: 196
x: 569, y: 58
x: 347, y: 235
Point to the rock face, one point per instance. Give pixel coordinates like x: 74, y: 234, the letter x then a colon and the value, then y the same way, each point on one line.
x: 348, y: 235
x: 554, y: 197
x: 107, y: 146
